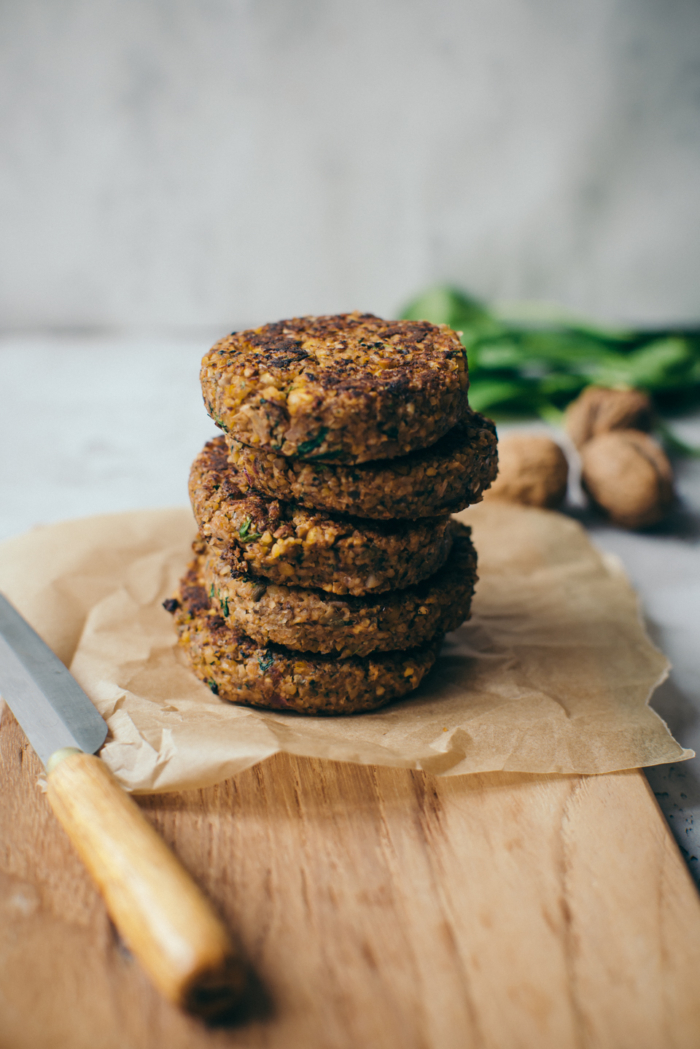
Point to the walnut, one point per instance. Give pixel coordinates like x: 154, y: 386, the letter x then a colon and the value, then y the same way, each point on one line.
x: 599, y: 410
x: 532, y: 470
x: 628, y: 475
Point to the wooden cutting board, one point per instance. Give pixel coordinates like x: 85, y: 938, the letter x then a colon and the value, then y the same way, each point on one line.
x: 378, y: 908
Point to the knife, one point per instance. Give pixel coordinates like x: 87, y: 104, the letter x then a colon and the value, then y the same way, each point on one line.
x: 163, y: 917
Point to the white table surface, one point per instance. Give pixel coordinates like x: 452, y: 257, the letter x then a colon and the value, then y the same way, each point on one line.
x: 101, y: 424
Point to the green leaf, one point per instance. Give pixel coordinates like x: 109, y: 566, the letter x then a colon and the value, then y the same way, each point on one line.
x: 244, y: 532
x: 556, y: 383
x: 487, y: 393
x: 551, y: 415
x: 446, y: 306
x: 502, y: 354
x: 218, y: 421
x: 547, y: 315
x: 265, y: 661
x: 308, y: 446
x: 561, y: 348
x: 535, y: 359
x: 655, y: 366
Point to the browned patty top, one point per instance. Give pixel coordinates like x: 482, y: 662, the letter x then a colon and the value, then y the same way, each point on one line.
x: 349, y: 388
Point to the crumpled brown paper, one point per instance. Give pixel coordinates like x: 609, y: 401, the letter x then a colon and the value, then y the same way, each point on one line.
x: 553, y: 673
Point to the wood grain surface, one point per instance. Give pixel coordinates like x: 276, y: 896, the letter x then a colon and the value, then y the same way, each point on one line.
x: 164, y: 918
x: 376, y: 908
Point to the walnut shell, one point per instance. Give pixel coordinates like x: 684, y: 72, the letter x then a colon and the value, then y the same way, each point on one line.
x: 628, y: 475
x: 599, y: 410
x: 532, y: 470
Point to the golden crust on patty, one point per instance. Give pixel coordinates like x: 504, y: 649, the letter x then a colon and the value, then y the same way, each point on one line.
x: 293, y: 546
x: 241, y: 670
x: 347, y: 388
x: 444, y: 478
x: 314, y: 621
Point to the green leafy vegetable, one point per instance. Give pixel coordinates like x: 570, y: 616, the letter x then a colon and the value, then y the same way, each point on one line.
x: 265, y: 661
x: 245, y: 534
x: 534, y: 360
x: 308, y: 446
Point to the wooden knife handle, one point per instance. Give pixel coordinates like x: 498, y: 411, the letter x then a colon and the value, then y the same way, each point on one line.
x: 165, y: 920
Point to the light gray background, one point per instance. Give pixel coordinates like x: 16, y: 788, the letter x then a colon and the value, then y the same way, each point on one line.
x: 169, y: 164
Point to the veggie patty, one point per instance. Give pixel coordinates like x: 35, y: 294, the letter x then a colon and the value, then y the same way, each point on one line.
x: 348, y: 388
x: 315, y: 621
x: 293, y: 546
x: 444, y: 478
x: 240, y: 670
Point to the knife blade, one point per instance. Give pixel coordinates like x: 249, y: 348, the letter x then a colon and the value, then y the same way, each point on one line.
x: 48, y: 702
x: 163, y: 917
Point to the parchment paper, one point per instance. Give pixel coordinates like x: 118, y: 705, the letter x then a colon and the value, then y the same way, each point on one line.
x: 552, y: 674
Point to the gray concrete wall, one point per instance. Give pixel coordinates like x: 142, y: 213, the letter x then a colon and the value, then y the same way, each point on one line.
x: 169, y: 163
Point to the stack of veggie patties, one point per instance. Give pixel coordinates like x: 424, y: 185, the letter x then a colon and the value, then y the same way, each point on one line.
x: 327, y: 568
